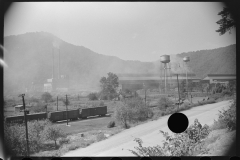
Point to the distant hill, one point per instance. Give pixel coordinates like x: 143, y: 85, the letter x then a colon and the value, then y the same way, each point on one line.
x: 29, y: 59
x: 214, y: 61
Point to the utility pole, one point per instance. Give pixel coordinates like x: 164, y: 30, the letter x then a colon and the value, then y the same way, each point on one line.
x: 25, y: 120
x: 67, y: 109
x: 57, y: 103
x: 145, y: 93
x: 178, y: 93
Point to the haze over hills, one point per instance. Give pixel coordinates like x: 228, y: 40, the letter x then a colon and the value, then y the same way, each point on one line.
x: 29, y: 59
x: 215, y: 61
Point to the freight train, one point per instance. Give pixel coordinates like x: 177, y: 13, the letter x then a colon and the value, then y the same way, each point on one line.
x: 60, y: 115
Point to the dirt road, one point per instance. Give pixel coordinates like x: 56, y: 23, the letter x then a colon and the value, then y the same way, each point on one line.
x: 117, y: 145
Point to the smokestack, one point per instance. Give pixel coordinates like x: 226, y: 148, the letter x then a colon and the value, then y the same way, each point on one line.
x: 53, y: 63
x: 58, y: 63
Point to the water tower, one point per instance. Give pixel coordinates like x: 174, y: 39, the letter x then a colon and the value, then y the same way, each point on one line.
x: 165, y: 59
x: 186, y: 59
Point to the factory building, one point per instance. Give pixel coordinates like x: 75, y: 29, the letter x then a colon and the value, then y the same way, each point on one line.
x: 152, y: 81
x: 219, y: 78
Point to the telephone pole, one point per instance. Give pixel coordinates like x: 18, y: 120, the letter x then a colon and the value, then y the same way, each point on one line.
x: 178, y: 93
x: 25, y: 120
x: 67, y: 109
x: 57, y: 103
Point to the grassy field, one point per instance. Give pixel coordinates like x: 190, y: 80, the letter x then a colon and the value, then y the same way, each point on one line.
x: 85, y: 125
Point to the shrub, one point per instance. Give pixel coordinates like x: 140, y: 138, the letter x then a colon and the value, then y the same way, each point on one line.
x: 100, y: 137
x: 39, y: 107
x: 182, y: 144
x: 93, y: 96
x: 164, y: 103
x: 111, y: 124
x: 53, y: 133
x: 101, y: 104
x: 122, y: 114
x: 157, y: 114
x: 227, y: 92
x: 46, y: 97
x: 132, y: 111
x: 218, y: 125
x: 15, y: 137
x: 103, y: 96
x: 228, y: 117
x: 64, y: 141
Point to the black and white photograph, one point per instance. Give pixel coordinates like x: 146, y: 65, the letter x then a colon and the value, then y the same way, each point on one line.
x: 119, y: 79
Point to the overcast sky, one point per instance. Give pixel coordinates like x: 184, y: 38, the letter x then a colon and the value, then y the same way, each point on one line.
x: 129, y: 30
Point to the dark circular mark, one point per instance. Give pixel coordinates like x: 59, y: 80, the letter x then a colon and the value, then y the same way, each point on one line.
x: 116, y: 158
x: 175, y: 158
x: 146, y: 158
x: 205, y: 158
x: 178, y: 122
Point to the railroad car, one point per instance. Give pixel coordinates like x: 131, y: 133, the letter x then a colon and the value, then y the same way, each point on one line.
x: 37, y: 116
x: 102, y: 111
x: 84, y: 113
x: 60, y: 115
x: 15, y: 119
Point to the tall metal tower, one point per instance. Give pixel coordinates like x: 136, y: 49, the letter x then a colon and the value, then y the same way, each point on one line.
x: 165, y: 59
x: 186, y: 59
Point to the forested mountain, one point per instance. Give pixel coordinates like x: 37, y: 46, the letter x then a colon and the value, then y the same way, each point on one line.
x: 215, y: 61
x: 30, y: 57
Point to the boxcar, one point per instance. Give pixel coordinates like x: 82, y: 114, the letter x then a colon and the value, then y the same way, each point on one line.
x: 15, y: 119
x: 37, y: 116
x: 102, y: 111
x: 62, y: 115
x: 84, y: 113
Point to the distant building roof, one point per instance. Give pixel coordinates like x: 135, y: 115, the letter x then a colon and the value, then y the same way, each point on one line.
x: 220, y: 75
x: 152, y: 75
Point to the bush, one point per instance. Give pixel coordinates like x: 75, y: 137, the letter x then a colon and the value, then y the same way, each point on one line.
x: 101, y: 104
x: 206, y: 102
x: 111, y: 124
x: 39, y: 107
x: 227, y: 92
x: 122, y: 115
x: 46, y: 97
x: 183, y: 144
x: 157, y: 115
x: 64, y: 141
x: 15, y: 137
x: 100, y: 137
x: 164, y: 103
x: 132, y: 111
x: 93, y: 96
x: 53, y: 133
x: 228, y: 117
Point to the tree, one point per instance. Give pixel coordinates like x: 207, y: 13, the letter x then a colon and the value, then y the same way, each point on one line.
x: 109, y: 85
x: 66, y: 102
x: 164, y: 103
x: 53, y: 133
x: 227, y: 22
x: 93, y: 96
x: 191, y: 85
x: 46, y: 97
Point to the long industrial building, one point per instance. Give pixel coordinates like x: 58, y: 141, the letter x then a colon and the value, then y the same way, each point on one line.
x: 139, y: 81
x: 219, y: 78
